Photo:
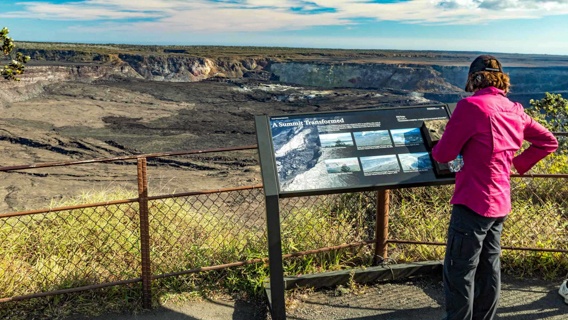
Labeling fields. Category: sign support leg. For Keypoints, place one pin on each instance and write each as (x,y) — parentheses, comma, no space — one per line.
(382,226)
(277,299)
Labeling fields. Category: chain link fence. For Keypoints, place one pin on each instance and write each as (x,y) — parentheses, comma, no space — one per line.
(102,245)
(192,232)
(69,248)
(537,227)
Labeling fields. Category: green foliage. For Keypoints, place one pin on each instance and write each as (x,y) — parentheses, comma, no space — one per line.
(15,67)
(313,229)
(548,224)
(556,163)
(551,111)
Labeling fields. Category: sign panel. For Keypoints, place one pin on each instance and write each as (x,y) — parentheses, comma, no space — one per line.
(353,149)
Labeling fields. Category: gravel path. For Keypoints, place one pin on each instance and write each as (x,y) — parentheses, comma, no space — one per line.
(521,299)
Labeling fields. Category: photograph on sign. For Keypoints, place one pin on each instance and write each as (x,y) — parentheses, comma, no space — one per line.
(372,139)
(374,165)
(336,140)
(363,148)
(407,137)
(415,162)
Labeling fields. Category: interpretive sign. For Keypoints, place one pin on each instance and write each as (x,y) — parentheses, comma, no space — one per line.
(326,152)
(333,152)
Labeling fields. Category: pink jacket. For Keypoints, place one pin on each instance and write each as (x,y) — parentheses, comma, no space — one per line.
(488,129)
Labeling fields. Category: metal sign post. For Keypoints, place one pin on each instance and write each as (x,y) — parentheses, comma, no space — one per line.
(275,291)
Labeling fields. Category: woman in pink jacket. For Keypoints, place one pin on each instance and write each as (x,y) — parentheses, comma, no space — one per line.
(486,129)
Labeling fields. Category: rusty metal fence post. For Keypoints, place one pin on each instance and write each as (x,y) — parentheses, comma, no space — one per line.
(144,233)
(382,226)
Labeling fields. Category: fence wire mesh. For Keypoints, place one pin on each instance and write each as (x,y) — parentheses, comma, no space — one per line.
(87,246)
(68,249)
(192,232)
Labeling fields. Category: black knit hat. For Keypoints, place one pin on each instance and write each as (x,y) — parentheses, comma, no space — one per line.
(485,63)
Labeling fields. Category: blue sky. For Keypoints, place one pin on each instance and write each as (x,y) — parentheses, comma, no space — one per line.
(516,26)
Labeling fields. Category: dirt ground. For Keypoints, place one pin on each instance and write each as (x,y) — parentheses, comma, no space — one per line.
(71,121)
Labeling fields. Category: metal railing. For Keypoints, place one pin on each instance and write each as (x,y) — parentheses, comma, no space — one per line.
(143,239)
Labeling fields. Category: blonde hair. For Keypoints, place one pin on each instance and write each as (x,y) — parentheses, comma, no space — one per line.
(483,79)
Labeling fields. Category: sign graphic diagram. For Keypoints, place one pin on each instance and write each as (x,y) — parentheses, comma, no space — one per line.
(353,149)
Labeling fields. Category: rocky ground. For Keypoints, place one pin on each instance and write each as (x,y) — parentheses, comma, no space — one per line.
(64,121)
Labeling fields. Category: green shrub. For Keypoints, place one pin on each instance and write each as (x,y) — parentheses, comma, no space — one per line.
(550,111)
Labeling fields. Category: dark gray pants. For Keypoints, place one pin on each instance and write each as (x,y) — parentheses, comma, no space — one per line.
(472,269)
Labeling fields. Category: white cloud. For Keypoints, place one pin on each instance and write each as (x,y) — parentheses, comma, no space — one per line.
(265,15)
(233,20)
(537,5)
(81,11)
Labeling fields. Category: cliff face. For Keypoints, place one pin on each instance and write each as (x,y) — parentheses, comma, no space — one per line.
(77,72)
(175,67)
(63,55)
(376,76)
(183,69)
(35,78)
(33,81)
(170,68)
(526,80)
